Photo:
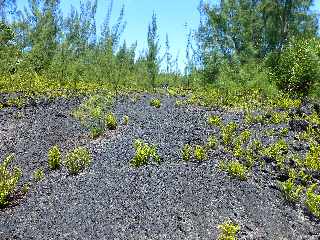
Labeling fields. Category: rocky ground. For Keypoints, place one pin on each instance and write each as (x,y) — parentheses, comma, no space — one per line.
(112,200)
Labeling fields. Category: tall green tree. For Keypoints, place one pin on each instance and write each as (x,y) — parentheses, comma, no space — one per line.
(153,62)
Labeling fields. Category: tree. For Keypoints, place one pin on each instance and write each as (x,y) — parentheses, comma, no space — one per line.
(42,33)
(153,50)
(168,57)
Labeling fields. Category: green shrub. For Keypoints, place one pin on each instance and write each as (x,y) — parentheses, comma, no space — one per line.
(144,153)
(228,132)
(214,121)
(228,230)
(297,68)
(96,132)
(211,142)
(54,158)
(291,191)
(186,152)
(8,180)
(155,103)
(312,158)
(111,121)
(313,200)
(38,175)
(200,153)
(77,160)
(235,169)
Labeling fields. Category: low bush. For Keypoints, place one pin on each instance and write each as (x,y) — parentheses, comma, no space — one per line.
(54,158)
(111,121)
(313,200)
(96,131)
(144,153)
(200,153)
(214,121)
(155,103)
(38,175)
(228,230)
(228,132)
(186,152)
(77,160)
(8,180)
(211,142)
(235,169)
(291,191)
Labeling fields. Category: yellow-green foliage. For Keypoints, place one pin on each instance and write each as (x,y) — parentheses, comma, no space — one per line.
(250,118)
(8,180)
(211,142)
(279,117)
(312,160)
(214,121)
(228,132)
(77,160)
(18,102)
(96,131)
(144,153)
(276,149)
(200,153)
(111,121)
(126,120)
(38,175)
(313,200)
(291,191)
(228,230)
(186,152)
(234,169)
(93,108)
(54,158)
(155,103)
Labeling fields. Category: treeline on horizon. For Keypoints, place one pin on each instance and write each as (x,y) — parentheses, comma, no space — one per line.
(269,46)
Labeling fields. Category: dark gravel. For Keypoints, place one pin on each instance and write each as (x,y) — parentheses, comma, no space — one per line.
(111,200)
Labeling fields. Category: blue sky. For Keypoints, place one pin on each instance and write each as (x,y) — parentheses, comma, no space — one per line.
(172,16)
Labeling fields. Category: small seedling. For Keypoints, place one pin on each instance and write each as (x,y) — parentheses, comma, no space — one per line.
(228,230)
(38,175)
(186,152)
(8,180)
(111,121)
(77,160)
(125,120)
(144,153)
(155,103)
(200,153)
(54,158)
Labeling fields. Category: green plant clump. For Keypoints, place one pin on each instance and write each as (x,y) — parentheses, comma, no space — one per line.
(38,175)
(155,103)
(228,132)
(214,121)
(95,132)
(291,191)
(212,142)
(313,200)
(8,180)
(77,160)
(228,230)
(312,161)
(54,158)
(144,153)
(111,121)
(186,152)
(126,120)
(200,153)
(235,169)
